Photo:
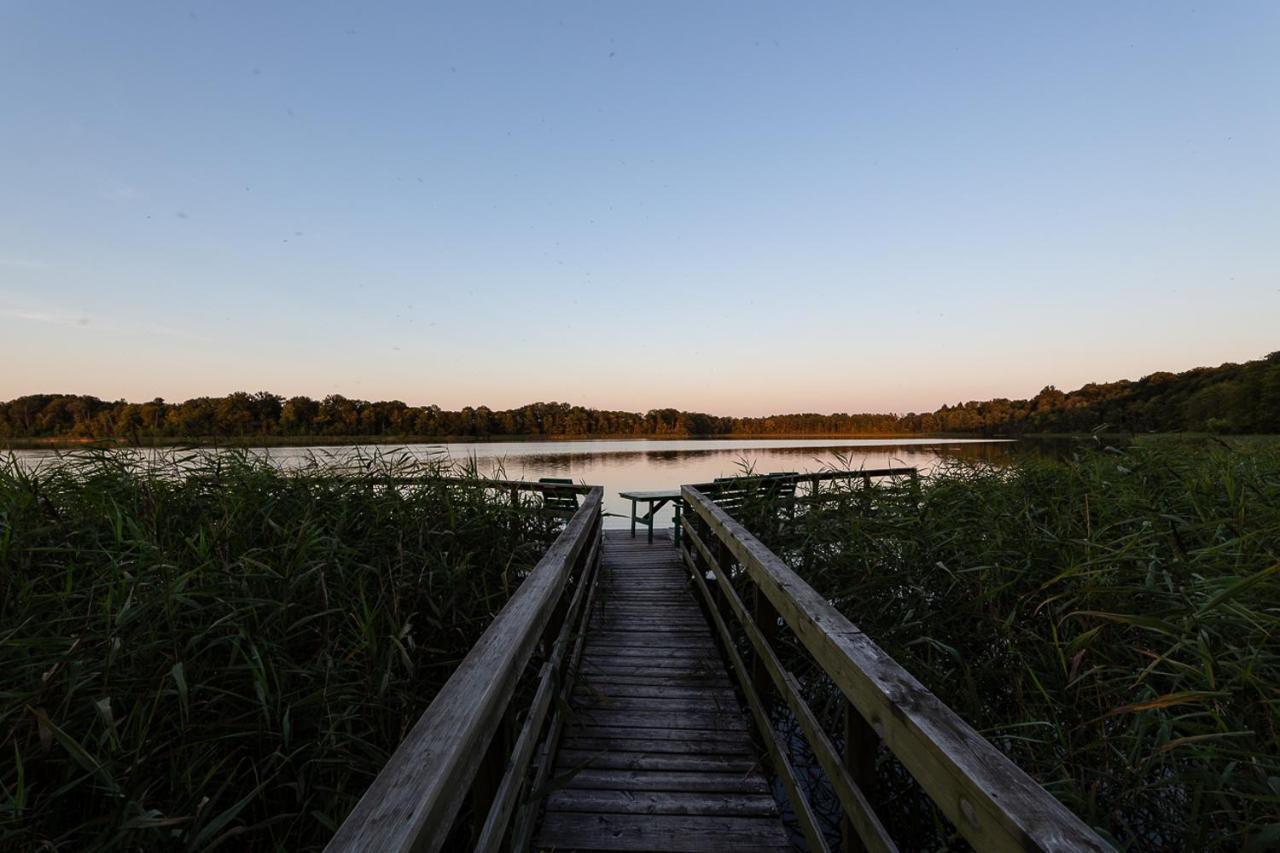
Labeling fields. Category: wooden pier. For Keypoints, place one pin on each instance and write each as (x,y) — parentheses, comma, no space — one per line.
(658,755)
(621,701)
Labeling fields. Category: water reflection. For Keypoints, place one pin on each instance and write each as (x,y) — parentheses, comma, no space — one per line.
(645,465)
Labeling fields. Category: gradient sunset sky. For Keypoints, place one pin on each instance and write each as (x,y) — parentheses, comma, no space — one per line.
(732,207)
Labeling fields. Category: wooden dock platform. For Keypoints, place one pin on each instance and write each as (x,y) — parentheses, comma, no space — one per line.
(657,754)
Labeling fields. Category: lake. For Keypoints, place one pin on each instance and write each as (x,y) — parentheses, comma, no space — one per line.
(635,464)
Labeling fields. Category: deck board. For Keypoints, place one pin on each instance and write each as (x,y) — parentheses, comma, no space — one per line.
(658,753)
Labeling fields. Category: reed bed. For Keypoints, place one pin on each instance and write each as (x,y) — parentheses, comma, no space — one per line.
(1111,622)
(203,652)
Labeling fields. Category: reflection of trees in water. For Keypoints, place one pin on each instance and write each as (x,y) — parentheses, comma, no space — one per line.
(813,458)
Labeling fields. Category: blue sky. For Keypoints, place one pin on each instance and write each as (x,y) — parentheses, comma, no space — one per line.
(733,207)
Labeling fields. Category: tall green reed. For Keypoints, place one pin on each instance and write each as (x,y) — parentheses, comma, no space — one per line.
(1111,622)
(202,651)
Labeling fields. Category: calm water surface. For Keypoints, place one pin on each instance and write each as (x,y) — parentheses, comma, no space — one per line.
(644,464)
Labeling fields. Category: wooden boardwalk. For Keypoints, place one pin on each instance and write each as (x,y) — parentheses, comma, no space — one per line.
(634,737)
(657,754)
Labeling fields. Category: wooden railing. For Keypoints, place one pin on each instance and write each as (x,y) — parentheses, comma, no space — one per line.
(499,485)
(513,488)
(813,478)
(991,802)
(782,488)
(466,748)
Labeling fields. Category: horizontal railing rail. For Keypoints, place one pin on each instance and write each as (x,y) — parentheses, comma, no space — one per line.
(514,488)
(491,483)
(466,744)
(989,799)
(811,477)
(780,496)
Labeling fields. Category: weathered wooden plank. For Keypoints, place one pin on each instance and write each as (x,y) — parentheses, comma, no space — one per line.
(661,609)
(667,780)
(651,639)
(647,596)
(700,744)
(603,665)
(610,671)
(608,759)
(695,834)
(666,614)
(656,690)
(644,653)
(710,680)
(658,649)
(661,719)
(711,739)
(704,656)
(664,584)
(606,658)
(639,639)
(991,801)
(672,611)
(712,684)
(678,634)
(658,618)
(671,616)
(688,650)
(663,802)
(654,704)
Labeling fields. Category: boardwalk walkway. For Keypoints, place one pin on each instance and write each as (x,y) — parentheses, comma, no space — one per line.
(658,754)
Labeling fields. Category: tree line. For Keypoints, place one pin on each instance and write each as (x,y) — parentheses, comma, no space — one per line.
(1230,398)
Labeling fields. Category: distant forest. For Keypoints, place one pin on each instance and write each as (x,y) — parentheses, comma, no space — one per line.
(1232,398)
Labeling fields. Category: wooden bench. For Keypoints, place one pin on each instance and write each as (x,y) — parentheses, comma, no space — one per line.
(563,500)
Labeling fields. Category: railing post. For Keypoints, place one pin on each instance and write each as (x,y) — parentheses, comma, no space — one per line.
(866,494)
(860,746)
(766,619)
(724,559)
(713,585)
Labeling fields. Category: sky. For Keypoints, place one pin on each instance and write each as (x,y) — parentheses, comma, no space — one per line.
(741,208)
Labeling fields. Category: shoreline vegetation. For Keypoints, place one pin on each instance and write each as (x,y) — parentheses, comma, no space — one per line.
(390,442)
(1228,399)
(213,442)
(1109,621)
(201,651)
